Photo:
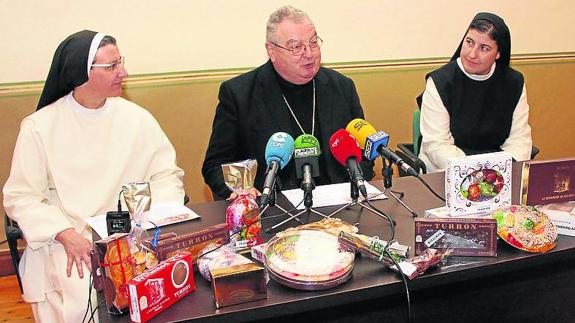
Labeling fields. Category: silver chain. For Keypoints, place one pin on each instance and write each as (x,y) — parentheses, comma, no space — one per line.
(313,112)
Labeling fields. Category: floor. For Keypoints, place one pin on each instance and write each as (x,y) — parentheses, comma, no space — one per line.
(12,307)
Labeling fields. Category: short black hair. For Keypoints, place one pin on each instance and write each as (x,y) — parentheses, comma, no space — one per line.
(486,27)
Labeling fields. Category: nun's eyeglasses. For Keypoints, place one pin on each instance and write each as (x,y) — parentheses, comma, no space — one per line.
(112,67)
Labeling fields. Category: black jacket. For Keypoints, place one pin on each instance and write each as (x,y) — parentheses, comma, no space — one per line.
(251,109)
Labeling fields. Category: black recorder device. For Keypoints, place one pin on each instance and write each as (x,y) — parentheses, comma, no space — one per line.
(118,222)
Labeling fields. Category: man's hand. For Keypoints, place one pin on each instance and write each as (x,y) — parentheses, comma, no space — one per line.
(252,190)
(77,248)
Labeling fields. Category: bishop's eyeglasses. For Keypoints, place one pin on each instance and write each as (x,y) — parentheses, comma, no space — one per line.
(298,48)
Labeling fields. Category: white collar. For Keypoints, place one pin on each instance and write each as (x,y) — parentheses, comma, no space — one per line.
(476,77)
(83,110)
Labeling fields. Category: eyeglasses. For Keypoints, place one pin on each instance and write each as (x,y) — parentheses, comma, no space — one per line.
(297,48)
(112,67)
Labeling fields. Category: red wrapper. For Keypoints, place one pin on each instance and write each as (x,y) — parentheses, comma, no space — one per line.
(413,267)
(158,288)
(243,218)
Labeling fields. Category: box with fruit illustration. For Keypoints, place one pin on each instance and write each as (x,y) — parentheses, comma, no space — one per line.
(478,183)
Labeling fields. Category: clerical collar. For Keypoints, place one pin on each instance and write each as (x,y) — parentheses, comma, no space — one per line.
(291,89)
(288,86)
(476,77)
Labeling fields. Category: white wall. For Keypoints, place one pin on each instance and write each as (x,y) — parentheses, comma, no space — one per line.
(185,35)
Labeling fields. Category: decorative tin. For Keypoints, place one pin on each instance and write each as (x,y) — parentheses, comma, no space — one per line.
(478,183)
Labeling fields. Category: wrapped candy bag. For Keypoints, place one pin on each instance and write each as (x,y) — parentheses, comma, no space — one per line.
(415,266)
(243,214)
(373,247)
(220,258)
(138,198)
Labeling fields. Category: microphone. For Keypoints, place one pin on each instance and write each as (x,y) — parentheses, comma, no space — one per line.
(277,154)
(345,148)
(375,143)
(306,153)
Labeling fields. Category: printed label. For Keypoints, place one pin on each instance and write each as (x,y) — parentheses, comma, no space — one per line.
(433,239)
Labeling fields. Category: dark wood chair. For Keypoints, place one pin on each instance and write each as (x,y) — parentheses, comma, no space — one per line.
(13,234)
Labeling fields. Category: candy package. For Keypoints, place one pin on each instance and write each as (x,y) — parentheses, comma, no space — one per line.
(221,258)
(413,267)
(243,214)
(526,228)
(117,268)
(138,198)
(157,289)
(373,247)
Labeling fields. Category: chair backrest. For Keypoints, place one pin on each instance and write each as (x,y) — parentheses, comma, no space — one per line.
(415,132)
(13,234)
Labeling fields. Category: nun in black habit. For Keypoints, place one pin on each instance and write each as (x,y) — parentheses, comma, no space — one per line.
(476,103)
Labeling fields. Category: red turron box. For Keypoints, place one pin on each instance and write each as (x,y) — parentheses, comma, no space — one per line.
(548,181)
(466,236)
(158,288)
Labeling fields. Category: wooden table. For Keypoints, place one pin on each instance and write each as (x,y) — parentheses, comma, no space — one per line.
(515,286)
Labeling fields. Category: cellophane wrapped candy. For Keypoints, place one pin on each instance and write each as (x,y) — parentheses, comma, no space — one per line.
(243,214)
(221,257)
(243,221)
(138,198)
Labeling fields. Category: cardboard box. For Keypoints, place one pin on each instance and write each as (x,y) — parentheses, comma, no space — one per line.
(238,284)
(259,252)
(478,183)
(158,288)
(466,236)
(445,212)
(97,276)
(117,267)
(193,242)
(546,182)
(562,215)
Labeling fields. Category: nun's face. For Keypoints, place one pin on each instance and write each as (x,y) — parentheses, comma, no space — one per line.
(107,82)
(478,52)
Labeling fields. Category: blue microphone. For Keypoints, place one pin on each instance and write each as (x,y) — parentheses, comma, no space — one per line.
(279,150)
(370,140)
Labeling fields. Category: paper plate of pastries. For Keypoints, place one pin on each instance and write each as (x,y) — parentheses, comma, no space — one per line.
(526,228)
(308,259)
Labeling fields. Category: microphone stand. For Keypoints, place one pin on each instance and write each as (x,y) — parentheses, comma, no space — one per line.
(387,173)
(307,202)
(354,194)
(272,201)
